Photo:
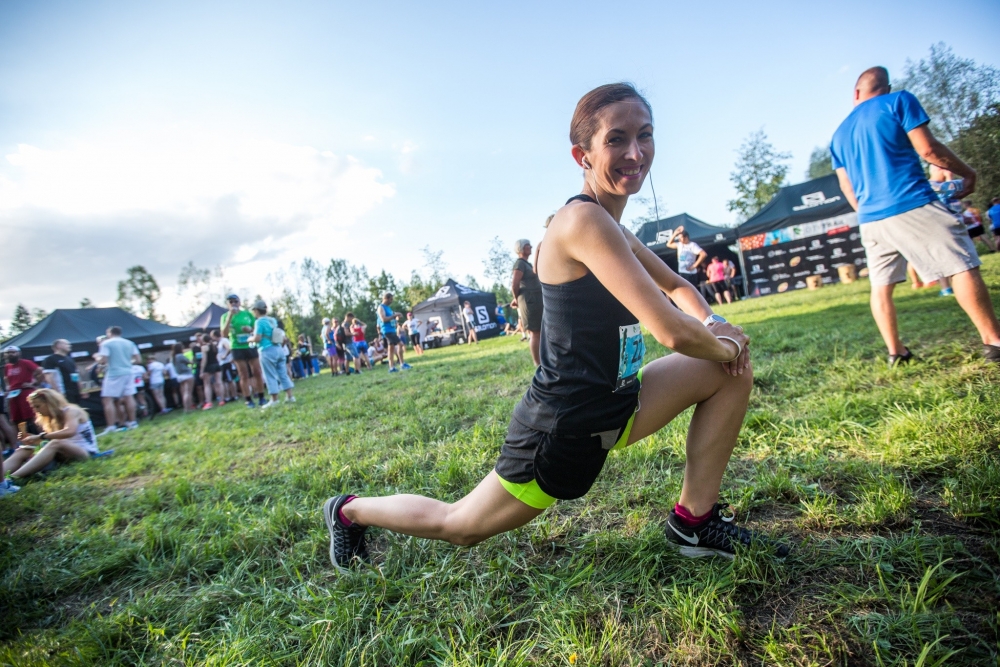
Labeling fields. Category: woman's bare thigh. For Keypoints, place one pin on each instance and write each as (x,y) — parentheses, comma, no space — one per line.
(671,385)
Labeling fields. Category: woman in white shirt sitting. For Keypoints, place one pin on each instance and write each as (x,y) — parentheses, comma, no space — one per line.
(66,426)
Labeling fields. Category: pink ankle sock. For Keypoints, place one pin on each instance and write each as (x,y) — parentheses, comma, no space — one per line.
(347,523)
(688,519)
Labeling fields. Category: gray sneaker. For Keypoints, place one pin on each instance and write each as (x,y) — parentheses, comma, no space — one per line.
(347,543)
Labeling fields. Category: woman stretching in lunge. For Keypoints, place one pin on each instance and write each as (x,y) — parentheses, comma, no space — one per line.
(598,283)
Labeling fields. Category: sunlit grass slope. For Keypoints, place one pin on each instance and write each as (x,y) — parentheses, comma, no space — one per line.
(200,542)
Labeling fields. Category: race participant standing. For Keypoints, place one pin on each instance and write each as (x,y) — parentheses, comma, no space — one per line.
(973,219)
(690,255)
(156,381)
(237,325)
(305,355)
(119,383)
(211,372)
(413,325)
(387,326)
(60,361)
(21,376)
(229,389)
(876,154)
(358,329)
(527,297)
(470,322)
(69,433)
(716,272)
(272,355)
(598,282)
(338,339)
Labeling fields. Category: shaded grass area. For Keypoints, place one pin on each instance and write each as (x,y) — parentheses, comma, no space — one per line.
(201,542)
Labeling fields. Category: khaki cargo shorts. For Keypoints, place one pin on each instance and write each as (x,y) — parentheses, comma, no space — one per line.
(930,238)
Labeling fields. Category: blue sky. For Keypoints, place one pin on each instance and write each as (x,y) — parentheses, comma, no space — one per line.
(250,135)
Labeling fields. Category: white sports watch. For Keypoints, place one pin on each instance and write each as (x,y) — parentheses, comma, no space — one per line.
(714,319)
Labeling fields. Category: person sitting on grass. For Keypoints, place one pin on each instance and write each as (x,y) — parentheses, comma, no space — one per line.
(65,425)
(599,282)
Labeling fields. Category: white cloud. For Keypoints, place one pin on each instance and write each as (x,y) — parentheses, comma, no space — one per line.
(167,195)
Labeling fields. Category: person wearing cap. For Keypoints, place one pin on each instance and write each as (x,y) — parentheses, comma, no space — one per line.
(237,324)
(387,327)
(22,377)
(527,297)
(272,355)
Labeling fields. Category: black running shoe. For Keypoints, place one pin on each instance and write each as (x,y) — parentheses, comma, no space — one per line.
(346,544)
(899,359)
(992,353)
(716,537)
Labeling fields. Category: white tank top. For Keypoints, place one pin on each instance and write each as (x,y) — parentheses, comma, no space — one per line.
(84,437)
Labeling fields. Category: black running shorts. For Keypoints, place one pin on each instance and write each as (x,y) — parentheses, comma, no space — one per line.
(244,353)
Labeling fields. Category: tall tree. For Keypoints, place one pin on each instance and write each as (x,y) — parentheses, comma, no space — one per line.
(139,292)
(953,90)
(86,303)
(979,145)
(435,265)
(820,162)
(21,321)
(38,314)
(654,210)
(758,175)
(499,261)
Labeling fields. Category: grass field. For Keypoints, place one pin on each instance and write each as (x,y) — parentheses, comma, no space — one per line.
(200,542)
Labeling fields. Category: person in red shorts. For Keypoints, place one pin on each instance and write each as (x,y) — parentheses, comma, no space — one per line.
(22,376)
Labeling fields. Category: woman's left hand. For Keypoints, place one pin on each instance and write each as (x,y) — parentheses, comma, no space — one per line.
(740,363)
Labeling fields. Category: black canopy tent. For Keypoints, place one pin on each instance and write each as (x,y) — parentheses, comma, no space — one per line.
(806,229)
(82,326)
(209,319)
(445,309)
(715,241)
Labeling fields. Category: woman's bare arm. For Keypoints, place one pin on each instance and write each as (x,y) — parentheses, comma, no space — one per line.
(591,237)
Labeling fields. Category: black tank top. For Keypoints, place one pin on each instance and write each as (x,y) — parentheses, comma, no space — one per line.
(212,355)
(591,350)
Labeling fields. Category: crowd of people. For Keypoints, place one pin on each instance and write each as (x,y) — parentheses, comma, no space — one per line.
(249,358)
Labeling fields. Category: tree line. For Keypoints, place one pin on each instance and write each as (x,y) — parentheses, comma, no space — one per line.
(302,294)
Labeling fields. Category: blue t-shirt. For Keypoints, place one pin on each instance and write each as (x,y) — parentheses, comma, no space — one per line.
(994,214)
(265,327)
(871,144)
(390,326)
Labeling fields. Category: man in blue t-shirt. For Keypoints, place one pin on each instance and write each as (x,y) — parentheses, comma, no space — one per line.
(876,153)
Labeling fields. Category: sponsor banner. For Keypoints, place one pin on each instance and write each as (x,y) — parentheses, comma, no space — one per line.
(796,232)
(782,267)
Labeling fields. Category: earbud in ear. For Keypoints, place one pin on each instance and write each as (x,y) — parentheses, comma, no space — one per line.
(586,165)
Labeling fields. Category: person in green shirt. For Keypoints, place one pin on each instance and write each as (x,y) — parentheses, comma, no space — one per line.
(237,325)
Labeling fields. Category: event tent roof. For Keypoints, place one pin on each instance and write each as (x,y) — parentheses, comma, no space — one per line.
(82,326)
(447,302)
(655,233)
(209,319)
(818,199)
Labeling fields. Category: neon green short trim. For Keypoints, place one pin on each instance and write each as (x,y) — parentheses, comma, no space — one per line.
(623,438)
(528,493)
(532,495)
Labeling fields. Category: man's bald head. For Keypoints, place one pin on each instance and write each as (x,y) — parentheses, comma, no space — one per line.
(873,82)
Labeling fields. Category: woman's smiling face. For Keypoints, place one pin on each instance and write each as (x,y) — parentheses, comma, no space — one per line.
(621,151)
